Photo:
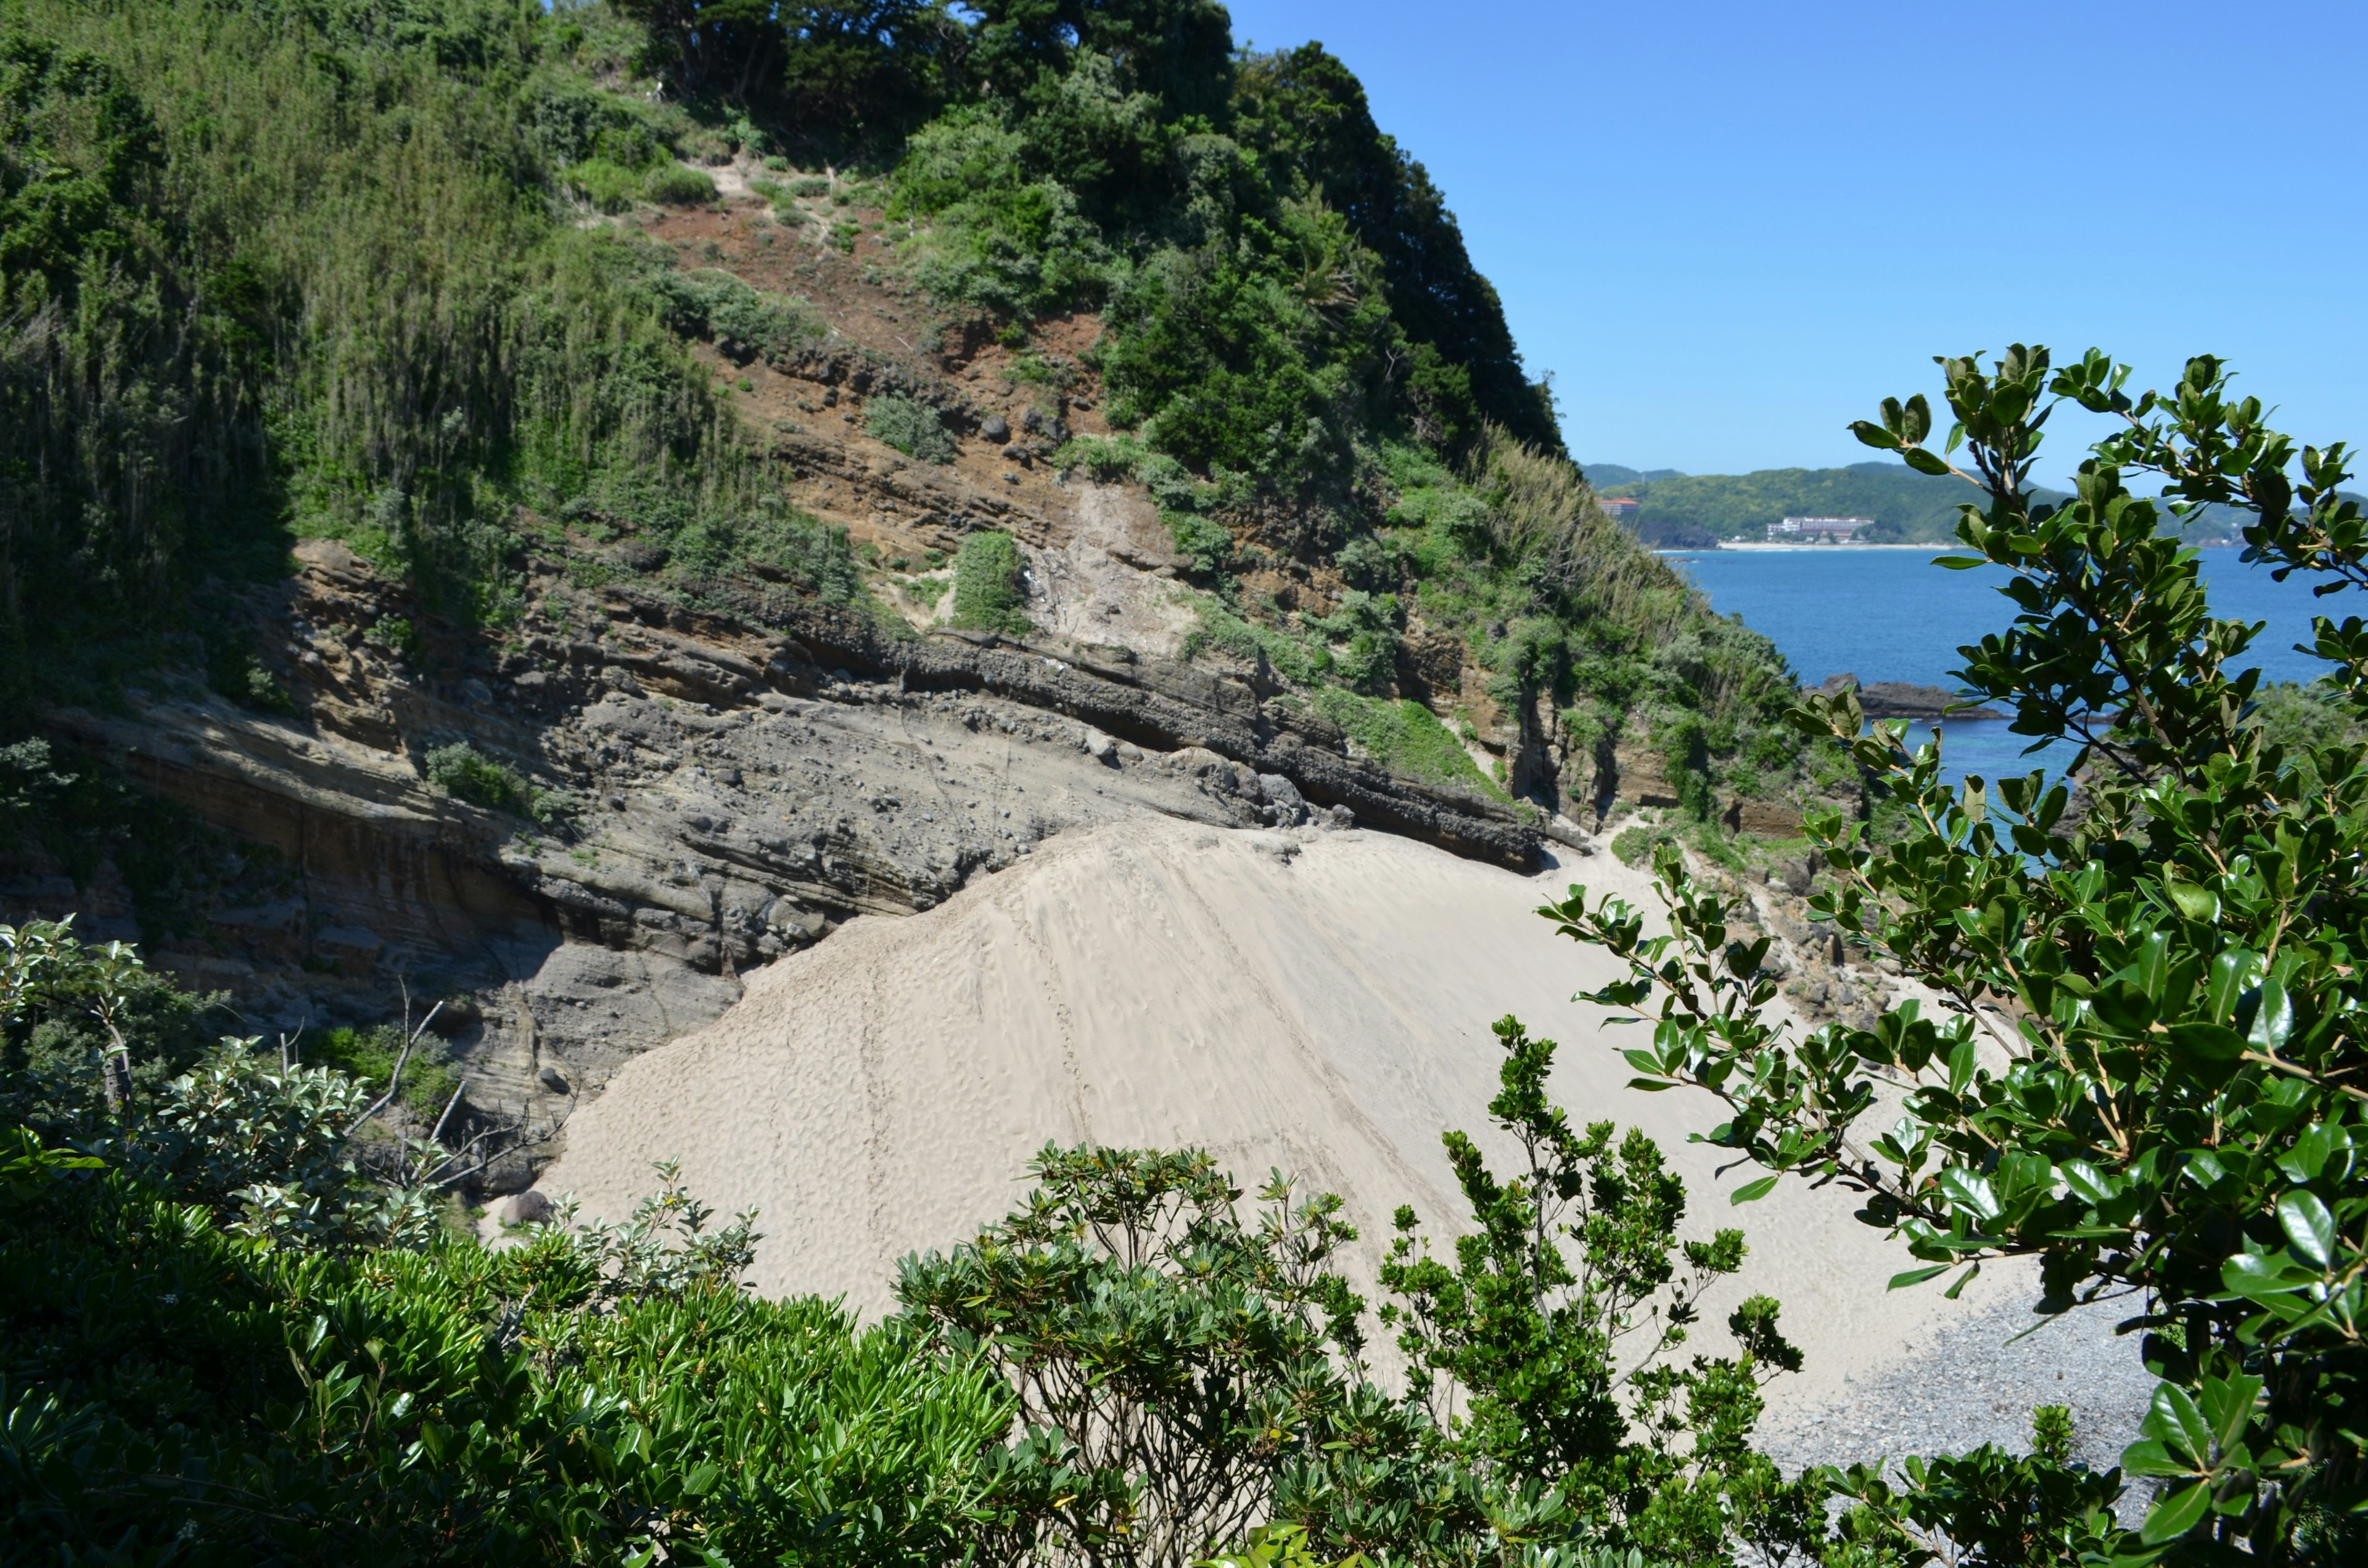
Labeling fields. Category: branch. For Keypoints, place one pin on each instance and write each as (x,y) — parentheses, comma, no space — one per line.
(394,1079)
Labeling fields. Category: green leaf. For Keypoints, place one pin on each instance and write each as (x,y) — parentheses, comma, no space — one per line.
(2273,1021)
(2086,1181)
(2147,1457)
(2123,1007)
(2172,1416)
(1873,435)
(1971,1192)
(2255,1278)
(2195,903)
(2176,1514)
(1751,1191)
(2308,1225)
(1918,1276)
(2209,1050)
(2231,969)
(1923,462)
(1919,420)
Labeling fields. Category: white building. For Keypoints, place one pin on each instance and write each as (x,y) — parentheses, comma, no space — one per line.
(1818,530)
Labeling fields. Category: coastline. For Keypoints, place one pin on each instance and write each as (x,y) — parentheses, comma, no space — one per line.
(1774,547)
(1739,546)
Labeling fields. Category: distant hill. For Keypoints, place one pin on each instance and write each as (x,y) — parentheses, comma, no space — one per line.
(1680,511)
(1694,509)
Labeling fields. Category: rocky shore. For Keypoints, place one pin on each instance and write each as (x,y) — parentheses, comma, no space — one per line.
(1902,700)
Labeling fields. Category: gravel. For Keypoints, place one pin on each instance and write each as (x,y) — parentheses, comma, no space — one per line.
(1971,1380)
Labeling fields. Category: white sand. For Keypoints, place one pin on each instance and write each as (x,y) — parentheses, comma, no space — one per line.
(1318,1002)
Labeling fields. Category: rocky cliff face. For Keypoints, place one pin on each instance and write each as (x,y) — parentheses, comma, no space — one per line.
(692,778)
(703,794)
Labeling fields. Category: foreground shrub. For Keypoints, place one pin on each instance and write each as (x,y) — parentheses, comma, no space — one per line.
(2146,1067)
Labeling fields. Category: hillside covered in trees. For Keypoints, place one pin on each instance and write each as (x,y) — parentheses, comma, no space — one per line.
(1695,510)
(374,273)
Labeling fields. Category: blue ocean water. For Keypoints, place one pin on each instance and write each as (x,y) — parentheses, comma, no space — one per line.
(1892,615)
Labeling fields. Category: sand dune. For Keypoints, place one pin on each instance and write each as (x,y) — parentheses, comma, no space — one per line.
(1316,1002)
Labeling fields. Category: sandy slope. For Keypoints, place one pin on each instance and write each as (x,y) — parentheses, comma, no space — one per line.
(1320,1002)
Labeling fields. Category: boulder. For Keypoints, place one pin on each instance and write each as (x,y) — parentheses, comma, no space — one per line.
(995,427)
(1290,805)
(1901,699)
(528,1208)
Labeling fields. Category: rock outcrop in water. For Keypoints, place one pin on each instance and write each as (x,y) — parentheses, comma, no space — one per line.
(1902,700)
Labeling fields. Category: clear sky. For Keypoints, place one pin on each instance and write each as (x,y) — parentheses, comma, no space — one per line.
(1730,229)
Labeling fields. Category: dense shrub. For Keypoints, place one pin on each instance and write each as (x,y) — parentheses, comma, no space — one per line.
(912,428)
(988,594)
(1406,737)
(678,185)
(745,323)
(327,292)
(606,185)
(461,772)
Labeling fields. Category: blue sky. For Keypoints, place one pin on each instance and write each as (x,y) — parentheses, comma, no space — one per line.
(1728,230)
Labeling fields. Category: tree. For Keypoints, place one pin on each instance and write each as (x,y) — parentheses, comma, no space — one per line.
(2147,1070)
(731,47)
(1534,1343)
(1173,1366)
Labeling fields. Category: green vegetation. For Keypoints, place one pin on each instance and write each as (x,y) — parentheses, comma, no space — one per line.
(369,1056)
(280,270)
(1691,510)
(1679,510)
(2173,1115)
(1562,608)
(241,1331)
(1634,844)
(1406,737)
(745,323)
(987,592)
(914,428)
(461,773)
(677,184)
(285,270)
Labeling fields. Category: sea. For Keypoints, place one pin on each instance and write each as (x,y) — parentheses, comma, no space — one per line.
(1891,614)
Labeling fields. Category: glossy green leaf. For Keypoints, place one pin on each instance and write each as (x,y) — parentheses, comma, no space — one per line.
(1971,1192)
(2086,1181)
(2204,1045)
(2232,973)
(2148,1457)
(2273,1021)
(2195,903)
(2308,1226)
(1752,1192)
(2172,1415)
(2176,1515)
